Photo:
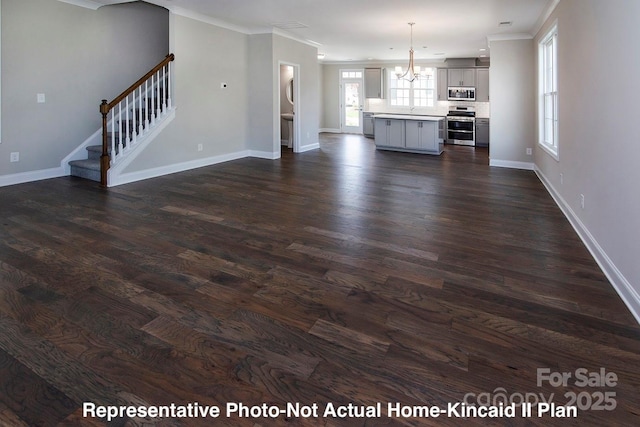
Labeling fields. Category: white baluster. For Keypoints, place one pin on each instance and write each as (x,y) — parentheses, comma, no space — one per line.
(113,136)
(164,90)
(147,106)
(120,130)
(134,118)
(127,140)
(153,101)
(158,95)
(140,118)
(169,84)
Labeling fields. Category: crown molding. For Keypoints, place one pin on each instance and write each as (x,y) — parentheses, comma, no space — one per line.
(290,36)
(543,18)
(206,19)
(507,37)
(88,4)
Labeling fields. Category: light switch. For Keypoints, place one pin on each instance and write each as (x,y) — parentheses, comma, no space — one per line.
(41,98)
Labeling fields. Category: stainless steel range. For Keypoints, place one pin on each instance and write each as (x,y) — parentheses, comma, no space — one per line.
(461,129)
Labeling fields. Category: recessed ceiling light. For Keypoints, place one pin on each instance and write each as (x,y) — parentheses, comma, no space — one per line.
(321,56)
(483,49)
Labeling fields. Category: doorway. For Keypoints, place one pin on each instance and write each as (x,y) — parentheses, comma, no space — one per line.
(288,113)
(351,101)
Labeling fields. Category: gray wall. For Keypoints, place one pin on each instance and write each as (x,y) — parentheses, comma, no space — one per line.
(262,109)
(598,79)
(512,94)
(206,56)
(76,57)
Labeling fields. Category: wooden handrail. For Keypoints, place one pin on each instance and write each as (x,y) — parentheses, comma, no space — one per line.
(142,79)
(106,106)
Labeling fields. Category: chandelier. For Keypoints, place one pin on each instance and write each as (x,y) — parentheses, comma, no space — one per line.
(413,72)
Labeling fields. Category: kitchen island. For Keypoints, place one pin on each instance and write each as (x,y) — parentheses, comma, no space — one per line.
(409,133)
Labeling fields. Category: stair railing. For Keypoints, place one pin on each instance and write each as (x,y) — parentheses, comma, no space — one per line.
(133,113)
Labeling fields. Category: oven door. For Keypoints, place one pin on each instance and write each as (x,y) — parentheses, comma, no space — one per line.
(461,131)
(459,124)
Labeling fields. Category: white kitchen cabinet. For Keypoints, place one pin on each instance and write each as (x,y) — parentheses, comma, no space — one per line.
(462,77)
(389,133)
(421,135)
(443,91)
(373,83)
(482,87)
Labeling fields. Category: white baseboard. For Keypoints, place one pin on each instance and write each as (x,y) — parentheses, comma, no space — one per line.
(309,147)
(126,178)
(330,130)
(622,286)
(23,177)
(511,164)
(263,154)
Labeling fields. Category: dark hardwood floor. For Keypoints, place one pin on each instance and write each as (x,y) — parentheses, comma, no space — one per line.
(341,275)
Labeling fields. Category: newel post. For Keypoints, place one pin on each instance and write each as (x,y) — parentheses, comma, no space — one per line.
(104,158)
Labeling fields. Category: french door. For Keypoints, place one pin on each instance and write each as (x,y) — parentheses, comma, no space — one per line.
(351,101)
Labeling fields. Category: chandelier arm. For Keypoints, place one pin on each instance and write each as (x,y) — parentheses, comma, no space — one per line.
(410,74)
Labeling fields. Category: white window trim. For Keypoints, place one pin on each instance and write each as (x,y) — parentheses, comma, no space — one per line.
(391,72)
(553,151)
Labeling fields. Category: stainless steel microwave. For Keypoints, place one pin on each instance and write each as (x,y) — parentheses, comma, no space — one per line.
(462,94)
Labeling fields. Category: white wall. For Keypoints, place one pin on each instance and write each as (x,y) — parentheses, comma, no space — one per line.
(512,94)
(599,148)
(76,57)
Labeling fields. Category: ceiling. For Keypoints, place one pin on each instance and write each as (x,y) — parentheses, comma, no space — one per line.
(376,30)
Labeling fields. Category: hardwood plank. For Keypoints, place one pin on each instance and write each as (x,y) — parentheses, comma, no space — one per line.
(323,276)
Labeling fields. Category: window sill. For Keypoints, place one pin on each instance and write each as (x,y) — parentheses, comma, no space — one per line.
(549,151)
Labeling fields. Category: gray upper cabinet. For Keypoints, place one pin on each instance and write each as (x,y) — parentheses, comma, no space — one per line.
(482,86)
(443,93)
(373,83)
(462,77)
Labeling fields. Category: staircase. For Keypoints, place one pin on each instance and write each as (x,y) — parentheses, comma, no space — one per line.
(127,124)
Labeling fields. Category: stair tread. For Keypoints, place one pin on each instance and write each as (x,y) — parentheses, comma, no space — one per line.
(86,164)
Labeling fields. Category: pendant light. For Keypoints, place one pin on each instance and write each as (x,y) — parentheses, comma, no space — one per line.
(413,72)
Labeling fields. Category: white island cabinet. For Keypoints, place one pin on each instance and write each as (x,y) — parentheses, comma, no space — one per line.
(410,133)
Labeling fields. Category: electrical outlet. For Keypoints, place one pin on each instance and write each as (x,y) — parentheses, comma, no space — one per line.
(40,98)
(15,157)
(529,151)
(561,178)
(582,201)
(200,147)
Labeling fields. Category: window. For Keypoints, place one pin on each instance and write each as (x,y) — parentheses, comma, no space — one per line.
(419,93)
(548,88)
(351,74)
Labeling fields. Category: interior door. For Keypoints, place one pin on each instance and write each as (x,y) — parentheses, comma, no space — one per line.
(352,101)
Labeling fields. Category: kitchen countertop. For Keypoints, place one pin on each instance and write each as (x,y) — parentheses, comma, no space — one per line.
(408,117)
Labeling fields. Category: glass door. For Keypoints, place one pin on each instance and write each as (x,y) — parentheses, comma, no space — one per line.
(352,101)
